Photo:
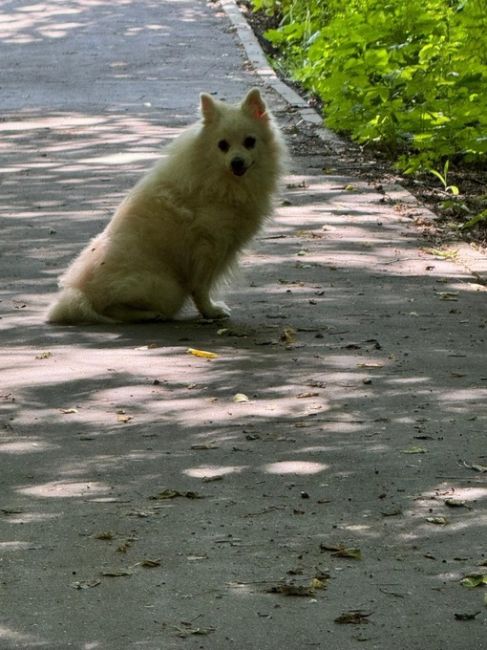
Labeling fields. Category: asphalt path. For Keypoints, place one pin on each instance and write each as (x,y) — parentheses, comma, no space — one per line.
(320,482)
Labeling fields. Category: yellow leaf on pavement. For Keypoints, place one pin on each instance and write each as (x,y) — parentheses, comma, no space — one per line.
(204,354)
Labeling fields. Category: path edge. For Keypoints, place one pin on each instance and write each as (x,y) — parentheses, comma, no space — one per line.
(471,259)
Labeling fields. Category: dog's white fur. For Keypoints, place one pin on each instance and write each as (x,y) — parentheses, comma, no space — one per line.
(182,226)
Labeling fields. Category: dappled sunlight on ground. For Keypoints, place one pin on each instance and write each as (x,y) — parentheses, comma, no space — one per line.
(298,467)
(22,517)
(14,546)
(30,446)
(212,471)
(65,489)
(9,634)
(343,409)
(35,22)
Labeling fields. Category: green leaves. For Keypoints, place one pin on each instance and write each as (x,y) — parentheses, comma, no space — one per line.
(453,189)
(410,77)
(474,580)
(482,216)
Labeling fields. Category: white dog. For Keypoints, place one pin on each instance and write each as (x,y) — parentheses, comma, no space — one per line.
(181,227)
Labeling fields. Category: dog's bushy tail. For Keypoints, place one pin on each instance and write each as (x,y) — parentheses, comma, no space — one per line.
(72,307)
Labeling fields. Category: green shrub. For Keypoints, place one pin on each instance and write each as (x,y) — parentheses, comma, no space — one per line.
(410,77)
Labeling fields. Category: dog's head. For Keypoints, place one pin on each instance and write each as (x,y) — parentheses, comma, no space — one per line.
(236,137)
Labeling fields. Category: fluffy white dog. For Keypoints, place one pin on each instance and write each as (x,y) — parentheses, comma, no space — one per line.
(182,226)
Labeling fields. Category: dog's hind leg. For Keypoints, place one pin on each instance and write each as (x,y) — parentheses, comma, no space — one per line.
(72,307)
(129,314)
(145,297)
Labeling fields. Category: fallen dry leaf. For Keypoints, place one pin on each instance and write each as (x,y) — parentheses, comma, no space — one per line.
(233,332)
(189,630)
(414,450)
(353,617)
(448,295)
(316,383)
(338,550)
(104,536)
(150,564)
(44,355)
(288,336)
(439,521)
(124,547)
(204,354)
(116,573)
(85,584)
(456,503)
(442,254)
(290,589)
(142,514)
(318,583)
(475,466)
(466,617)
(172,494)
(240,397)
(370,365)
(353,553)
(393,512)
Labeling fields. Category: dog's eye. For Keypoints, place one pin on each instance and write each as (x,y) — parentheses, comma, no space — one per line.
(249,142)
(223,146)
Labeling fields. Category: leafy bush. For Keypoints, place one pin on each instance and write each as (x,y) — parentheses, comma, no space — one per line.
(410,77)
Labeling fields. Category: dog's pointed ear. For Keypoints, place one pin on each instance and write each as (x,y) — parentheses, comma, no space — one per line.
(208,107)
(255,106)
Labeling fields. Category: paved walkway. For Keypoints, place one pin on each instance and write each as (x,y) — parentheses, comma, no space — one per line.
(143,505)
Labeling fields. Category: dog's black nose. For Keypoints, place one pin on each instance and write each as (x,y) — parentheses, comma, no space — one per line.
(238,166)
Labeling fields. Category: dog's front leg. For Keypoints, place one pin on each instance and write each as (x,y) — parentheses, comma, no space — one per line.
(207,267)
(207,307)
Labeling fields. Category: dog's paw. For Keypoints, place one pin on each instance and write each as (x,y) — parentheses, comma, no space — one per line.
(217,310)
